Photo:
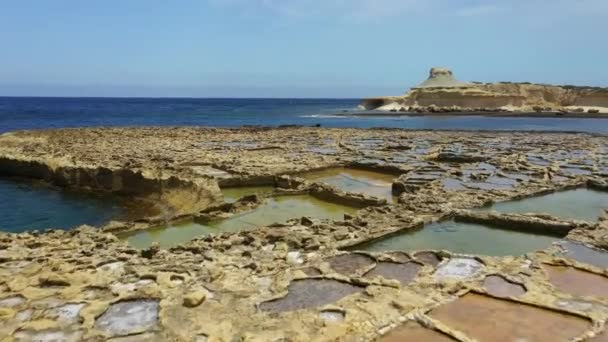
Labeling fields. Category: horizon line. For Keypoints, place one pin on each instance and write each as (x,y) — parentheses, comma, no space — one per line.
(180,97)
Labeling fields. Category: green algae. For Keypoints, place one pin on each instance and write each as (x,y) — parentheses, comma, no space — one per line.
(274,210)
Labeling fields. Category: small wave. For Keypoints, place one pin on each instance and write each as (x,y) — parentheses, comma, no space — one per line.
(322,116)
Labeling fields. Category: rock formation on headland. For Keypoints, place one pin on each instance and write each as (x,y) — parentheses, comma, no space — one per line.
(442,92)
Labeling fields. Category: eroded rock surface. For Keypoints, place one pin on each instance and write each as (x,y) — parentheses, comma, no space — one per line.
(302,280)
(129,317)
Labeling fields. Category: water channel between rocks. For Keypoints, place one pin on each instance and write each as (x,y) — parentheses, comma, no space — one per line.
(274,210)
(357,181)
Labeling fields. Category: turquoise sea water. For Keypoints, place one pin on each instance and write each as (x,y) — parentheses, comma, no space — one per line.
(25,206)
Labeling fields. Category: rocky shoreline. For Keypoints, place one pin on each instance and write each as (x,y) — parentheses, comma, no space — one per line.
(442,93)
(306,279)
(413,112)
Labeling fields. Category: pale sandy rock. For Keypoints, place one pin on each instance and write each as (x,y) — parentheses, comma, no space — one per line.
(195,298)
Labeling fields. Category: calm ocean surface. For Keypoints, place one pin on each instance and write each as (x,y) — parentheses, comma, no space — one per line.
(18,113)
(24,206)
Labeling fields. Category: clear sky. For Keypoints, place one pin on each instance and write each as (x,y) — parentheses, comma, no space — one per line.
(293,48)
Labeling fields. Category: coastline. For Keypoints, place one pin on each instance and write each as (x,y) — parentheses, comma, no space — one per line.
(381,113)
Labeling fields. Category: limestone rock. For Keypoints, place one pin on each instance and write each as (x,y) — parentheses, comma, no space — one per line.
(443,93)
(195,298)
(441,77)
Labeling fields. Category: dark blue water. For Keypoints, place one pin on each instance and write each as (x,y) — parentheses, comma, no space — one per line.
(33,113)
(25,206)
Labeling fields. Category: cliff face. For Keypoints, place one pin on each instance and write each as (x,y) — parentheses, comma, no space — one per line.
(441,90)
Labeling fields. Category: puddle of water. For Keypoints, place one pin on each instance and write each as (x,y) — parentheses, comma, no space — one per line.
(274,210)
(518,176)
(487,319)
(577,282)
(579,204)
(414,332)
(574,170)
(453,184)
(489,186)
(538,161)
(310,293)
(584,254)
(29,206)
(466,238)
(233,194)
(358,181)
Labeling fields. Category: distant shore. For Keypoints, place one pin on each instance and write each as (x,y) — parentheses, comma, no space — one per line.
(486,114)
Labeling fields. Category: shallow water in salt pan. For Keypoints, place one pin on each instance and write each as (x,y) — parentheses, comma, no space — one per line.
(465,238)
(488,319)
(578,204)
(357,181)
(274,210)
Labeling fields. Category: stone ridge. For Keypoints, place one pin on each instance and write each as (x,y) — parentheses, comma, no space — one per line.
(85,284)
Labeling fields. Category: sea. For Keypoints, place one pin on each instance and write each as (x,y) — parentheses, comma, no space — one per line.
(21,113)
(25,206)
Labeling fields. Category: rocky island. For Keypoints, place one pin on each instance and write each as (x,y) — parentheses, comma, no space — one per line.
(433,236)
(443,93)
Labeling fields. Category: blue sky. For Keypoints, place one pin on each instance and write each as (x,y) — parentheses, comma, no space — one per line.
(293,48)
